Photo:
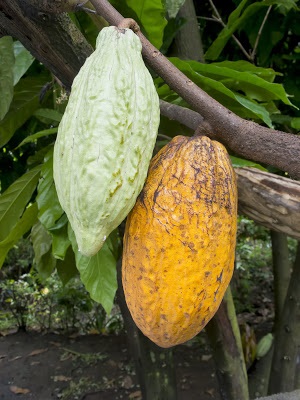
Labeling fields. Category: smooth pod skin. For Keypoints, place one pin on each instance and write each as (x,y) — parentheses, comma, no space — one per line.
(106,138)
(179,241)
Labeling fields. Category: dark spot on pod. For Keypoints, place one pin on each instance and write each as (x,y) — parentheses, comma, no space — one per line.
(219,278)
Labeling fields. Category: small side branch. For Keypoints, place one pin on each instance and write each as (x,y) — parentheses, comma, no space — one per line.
(219,19)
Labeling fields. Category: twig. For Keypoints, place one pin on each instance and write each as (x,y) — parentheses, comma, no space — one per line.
(214,19)
(253,52)
(218,18)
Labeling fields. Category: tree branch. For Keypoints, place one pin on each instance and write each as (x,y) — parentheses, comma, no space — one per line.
(246,138)
(270,200)
(253,52)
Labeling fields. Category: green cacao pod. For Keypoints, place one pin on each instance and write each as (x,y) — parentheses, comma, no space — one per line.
(106,138)
(179,242)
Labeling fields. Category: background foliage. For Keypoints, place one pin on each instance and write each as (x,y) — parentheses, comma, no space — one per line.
(261,84)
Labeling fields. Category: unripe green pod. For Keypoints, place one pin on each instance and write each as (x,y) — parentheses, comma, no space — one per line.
(106,138)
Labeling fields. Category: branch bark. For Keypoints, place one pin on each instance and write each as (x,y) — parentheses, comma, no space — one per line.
(270,200)
(246,138)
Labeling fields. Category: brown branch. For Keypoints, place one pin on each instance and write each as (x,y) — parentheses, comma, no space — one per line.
(246,138)
(270,200)
(185,116)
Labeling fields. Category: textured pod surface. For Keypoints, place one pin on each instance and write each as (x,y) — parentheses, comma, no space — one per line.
(106,138)
(179,242)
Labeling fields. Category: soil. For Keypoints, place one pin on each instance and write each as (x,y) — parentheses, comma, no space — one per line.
(92,367)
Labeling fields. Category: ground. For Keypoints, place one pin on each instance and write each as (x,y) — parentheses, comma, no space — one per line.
(92,367)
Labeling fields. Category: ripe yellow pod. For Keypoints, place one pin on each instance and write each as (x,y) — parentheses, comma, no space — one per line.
(179,242)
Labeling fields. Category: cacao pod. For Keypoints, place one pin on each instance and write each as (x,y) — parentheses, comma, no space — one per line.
(179,241)
(106,138)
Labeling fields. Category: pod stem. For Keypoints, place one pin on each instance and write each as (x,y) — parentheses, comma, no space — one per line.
(129,23)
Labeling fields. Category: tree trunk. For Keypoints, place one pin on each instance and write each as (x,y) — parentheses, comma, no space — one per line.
(224,336)
(285,371)
(188,39)
(154,365)
(259,379)
(47,37)
(281,271)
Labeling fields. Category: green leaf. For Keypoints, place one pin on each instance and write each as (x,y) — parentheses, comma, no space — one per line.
(295,123)
(248,82)
(264,345)
(259,111)
(286,5)
(49,206)
(240,162)
(48,114)
(66,268)
(173,6)
(6,74)
(236,20)
(268,74)
(151,15)
(21,227)
(245,108)
(23,60)
(60,238)
(25,102)
(15,198)
(98,273)
(43,258)
(38,135)
(237,12)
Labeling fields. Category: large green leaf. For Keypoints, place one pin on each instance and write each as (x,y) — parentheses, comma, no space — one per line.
(240,105)
(236,20)
(23,60)
(6,74)
(49,207)
(23,225)
(268,74)
(98,273)
(253,86)
(151,15)
(43,258)
(15,198)
(25,102)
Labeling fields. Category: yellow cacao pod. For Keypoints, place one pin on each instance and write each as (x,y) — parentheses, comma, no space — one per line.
(179,241)
(106,138)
